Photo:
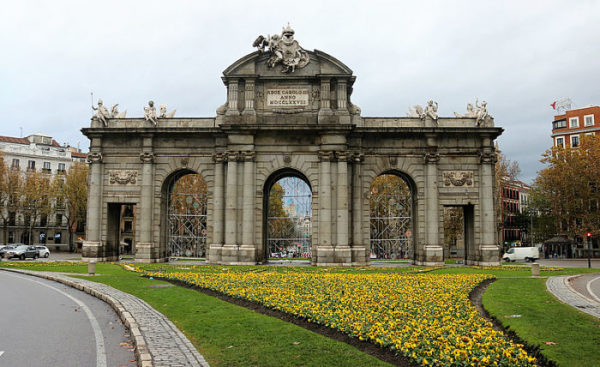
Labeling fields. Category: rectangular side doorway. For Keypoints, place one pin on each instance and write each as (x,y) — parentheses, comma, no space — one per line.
(120,225)
(458,232)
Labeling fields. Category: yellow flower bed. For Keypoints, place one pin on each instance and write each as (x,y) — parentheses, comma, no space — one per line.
(425,317)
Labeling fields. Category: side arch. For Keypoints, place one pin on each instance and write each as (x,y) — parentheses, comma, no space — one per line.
(392,215)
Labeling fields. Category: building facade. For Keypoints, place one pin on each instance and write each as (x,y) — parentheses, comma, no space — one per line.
(42,153)
(568,128)
(514,201)
(291,117)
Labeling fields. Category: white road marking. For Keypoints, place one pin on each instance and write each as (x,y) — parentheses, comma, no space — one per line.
(589,288)
(100,351)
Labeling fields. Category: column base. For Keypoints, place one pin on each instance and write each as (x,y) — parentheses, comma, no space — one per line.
(360,256)
(433,255)
(238,255)
(147,252)
(488,255)
(214,253)
(333,256)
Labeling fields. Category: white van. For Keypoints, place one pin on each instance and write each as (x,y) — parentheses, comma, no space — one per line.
(521,253)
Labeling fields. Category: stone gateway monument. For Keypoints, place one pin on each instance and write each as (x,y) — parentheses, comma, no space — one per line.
(290,168)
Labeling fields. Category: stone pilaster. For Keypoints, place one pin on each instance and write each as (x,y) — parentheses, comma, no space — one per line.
(249,98)
(92,247)
(342,96)
(342,252)
(229,253)
(232,98)
(488,248)
(214,254)
(325,108)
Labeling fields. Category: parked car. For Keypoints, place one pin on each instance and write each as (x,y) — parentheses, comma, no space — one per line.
(22,252)
(5,249)
(521,253)
(43,251)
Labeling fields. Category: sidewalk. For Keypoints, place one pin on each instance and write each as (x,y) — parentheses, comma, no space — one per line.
(158,342)
(559,286)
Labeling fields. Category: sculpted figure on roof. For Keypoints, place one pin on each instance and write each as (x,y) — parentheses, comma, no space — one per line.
(284,50)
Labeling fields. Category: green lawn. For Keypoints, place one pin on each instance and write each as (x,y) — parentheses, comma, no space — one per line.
(544,319)
(229,335)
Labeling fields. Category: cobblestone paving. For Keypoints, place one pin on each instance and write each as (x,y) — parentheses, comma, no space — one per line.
(560,288)
(158,342)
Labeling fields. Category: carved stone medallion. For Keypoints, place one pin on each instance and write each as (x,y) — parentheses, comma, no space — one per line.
(458,178)
(122,177)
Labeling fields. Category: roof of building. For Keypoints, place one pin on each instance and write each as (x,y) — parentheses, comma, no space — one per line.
(11,139)
(78,154)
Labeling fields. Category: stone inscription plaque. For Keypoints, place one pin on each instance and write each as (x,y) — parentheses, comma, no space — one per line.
(287,98)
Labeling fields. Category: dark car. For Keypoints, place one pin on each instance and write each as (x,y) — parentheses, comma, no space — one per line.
(22,252)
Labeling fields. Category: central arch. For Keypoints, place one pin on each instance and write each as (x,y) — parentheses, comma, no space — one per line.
(392,224)
(287,218)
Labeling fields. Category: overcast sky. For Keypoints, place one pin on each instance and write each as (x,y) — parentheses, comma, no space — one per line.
(519,56)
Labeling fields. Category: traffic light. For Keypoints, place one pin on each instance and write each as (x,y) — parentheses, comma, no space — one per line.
(589,235)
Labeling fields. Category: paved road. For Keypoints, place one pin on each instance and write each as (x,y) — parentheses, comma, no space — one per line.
(44,323)
(588,285)
(570,263)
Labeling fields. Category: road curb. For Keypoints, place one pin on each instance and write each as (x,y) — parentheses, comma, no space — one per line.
(560,288)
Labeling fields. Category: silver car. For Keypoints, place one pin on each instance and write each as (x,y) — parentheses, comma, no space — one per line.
(43,251)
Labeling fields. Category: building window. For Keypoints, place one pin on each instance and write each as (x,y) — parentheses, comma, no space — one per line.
(59,219)
(15,163)
(11,237)
(128,226)
(57,237)
(560,142)
(46,168)
(31,165)
(574,141)
(574,122)
(43,221)
(61,168)
(588,120)
(43,237)
(12,219)
(559,124)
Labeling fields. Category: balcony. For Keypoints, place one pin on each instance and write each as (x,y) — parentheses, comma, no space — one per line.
(46,171)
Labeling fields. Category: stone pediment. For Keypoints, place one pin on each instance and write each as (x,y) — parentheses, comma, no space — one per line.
(255,64)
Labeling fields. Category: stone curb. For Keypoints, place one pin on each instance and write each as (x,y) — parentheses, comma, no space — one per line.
(142,353)
(561,289)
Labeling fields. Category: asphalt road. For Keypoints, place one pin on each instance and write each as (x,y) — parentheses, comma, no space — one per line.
(588,285)
(44,323)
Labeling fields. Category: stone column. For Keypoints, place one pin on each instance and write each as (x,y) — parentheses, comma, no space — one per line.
(218,200)
(433,252)
(488,249)
(359,248)
(92,246)
(232,98)
(325,248)
(343,254)
(145,249)
(231,199)
(248,250)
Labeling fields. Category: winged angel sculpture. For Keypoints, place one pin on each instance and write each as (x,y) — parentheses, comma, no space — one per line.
(284,50)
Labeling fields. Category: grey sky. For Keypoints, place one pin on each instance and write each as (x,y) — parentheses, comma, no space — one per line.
(519,56)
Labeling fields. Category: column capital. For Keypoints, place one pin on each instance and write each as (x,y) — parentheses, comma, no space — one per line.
(94,157)
(232,156)
(488,157)
(219,157)
(357,157)
(432,157)
(325,156)
(248,156)
(342,155)
(147,157)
